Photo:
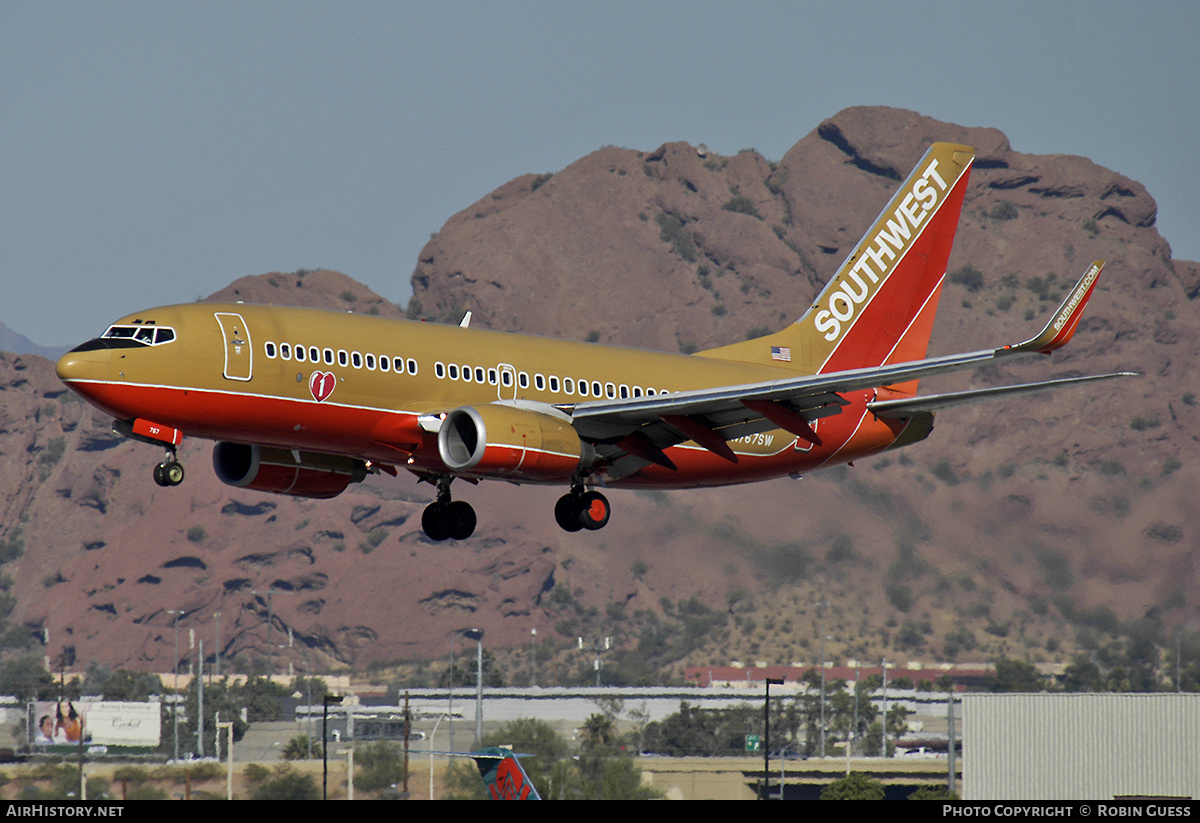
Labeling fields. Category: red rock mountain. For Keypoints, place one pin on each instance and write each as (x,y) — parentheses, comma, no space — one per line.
(1029,528)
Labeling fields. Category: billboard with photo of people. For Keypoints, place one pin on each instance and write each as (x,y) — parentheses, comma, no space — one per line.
(61,725)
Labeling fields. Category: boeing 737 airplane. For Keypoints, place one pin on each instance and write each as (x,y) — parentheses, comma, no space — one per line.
(305,402)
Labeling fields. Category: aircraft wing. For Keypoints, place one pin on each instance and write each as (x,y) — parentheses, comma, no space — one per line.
(643,427)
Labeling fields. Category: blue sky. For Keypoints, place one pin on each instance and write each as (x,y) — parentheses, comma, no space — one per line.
(151,153)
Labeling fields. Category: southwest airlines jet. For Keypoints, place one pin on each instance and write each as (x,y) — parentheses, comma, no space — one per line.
(305,402)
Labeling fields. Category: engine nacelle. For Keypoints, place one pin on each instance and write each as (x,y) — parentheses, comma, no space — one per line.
(505,441)
(300,474)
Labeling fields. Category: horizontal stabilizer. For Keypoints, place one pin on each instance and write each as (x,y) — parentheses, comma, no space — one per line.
(897,409)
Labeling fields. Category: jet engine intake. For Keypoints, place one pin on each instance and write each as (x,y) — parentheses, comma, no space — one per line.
(499,440)
(299,474)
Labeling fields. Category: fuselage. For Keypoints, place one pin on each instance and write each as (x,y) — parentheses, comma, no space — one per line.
(373,388)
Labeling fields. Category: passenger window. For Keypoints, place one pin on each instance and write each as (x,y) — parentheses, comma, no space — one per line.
(610,390)
(453,371)
(506,378)
(270,347)
(412,366)
(385,364)
(314,355)
(539,382)
(553,384)
(439,370)
(343,358)
(523,380)
(466,372)
(371,362)
(491,377)
(596,390)
(398,365)
(300,354)
(624,391)
(285,351)
(583,388)
(479,374)
(329,357)
(356,359)
(637,391)
(568,385)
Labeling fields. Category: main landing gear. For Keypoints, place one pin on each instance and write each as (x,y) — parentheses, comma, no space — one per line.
(170,471)
(578,509)
(448,519)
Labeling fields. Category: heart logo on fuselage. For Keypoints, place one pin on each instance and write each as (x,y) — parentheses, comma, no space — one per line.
(321,384)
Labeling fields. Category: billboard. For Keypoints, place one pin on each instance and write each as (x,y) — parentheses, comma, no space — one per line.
(61,725)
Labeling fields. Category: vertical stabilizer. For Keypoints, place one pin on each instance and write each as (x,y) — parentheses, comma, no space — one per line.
(503,775)
(879,307)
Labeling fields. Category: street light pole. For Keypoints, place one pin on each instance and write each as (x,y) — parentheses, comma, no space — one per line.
(450,706)
(200,699)
(175,671)
(217,663)
(883,740)
(533,649)
(326,701)
(766,793)
(601,648)
(477,636)
(821,610)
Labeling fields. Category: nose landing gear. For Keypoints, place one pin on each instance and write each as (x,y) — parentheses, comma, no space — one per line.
(170,471)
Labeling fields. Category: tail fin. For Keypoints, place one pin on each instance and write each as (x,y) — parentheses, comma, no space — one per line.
(503,775)
(879,307)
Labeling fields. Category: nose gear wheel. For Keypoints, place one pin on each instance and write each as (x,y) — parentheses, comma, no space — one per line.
(170,471)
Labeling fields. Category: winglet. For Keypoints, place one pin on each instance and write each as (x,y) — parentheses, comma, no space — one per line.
(1062,325)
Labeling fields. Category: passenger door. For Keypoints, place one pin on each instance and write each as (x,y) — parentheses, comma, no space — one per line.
(239,355)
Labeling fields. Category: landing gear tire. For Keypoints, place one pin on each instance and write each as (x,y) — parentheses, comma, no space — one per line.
(460,519)
(433,522)
(594,511)
(566,513)
(577,511)
(168,473)
(449,520)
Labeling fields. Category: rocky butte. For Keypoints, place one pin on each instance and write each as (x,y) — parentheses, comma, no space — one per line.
(1032,528)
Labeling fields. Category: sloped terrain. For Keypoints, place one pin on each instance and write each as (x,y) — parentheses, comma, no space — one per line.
(1029,528)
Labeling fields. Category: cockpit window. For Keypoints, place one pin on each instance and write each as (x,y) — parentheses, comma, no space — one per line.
(147,335)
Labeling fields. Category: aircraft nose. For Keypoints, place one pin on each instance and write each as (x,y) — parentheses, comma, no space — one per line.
(82,364)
